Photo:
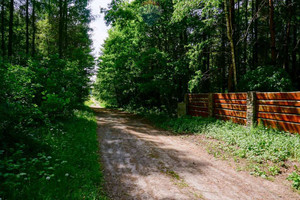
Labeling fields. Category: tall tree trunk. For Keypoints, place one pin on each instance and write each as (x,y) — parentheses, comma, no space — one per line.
(33,28)
(294,55)
(287,37)
(60,28)
(207,49)
(255,47)
(272,31)
(66,24)
(10,31)
(236,37)
(229,23)
(3,28)
(222,59)
(208,69)
(27,27)
(245,40)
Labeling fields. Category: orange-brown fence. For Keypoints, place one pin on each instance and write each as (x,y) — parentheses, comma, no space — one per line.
(276,109)
(230,107)
(279,110)
(198,105)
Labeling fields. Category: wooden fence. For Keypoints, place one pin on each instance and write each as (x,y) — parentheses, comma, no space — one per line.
(274,109)
(231,107)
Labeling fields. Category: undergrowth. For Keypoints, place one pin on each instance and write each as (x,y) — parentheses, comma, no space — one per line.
(259,144)
(55,162)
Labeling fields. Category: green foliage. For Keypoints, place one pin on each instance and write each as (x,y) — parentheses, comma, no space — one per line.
(62,165)
(150,13)
(274,170)
(258,144)
(40,91)
(44,78)
(136,69)
(295,177)
(258,172)
(266,78)
(195,82)
(158,50)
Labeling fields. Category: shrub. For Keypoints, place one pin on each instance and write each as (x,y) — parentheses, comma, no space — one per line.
(266,78)
(295,177)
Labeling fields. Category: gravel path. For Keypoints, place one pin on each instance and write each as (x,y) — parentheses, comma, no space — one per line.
(143,162)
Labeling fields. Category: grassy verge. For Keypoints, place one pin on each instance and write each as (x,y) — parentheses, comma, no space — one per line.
(93,102)
(266,152)
(57,162)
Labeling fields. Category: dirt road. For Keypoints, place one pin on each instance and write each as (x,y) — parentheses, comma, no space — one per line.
(143,162)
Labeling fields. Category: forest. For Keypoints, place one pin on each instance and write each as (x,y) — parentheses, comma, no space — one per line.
(155,53)
(45,60)
(45,64)
(158,50)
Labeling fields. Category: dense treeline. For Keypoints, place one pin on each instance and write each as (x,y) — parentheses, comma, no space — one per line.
(45,60)
(45,64)
(158,50)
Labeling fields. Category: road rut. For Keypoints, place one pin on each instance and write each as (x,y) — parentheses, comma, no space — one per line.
(143,162)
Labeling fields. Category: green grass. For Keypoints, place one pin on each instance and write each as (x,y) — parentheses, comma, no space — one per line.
(259,143)
(265,150)
(89,102)
(93,102)
(65,166)
(295,178)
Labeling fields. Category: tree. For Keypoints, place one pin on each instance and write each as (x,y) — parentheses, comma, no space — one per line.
(3,28)
(272,31)
(158,50)
(230,34)
(11,23)
(27,26)
(33,28)
(61,28)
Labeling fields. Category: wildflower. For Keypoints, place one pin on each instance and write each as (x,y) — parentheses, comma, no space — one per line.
(48,178)
(67,174)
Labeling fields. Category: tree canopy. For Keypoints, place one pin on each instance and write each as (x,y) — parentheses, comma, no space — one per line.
(158,50)
(45,62)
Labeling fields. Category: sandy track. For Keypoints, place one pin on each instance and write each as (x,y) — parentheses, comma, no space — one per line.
(143,162)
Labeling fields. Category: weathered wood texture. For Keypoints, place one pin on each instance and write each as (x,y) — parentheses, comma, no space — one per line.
(231,106)
(197,105)
(273,109)
(279,110)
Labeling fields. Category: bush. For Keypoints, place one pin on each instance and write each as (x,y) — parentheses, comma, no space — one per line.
(266,79)
(295,177)
(62,164)
(35,97)
(40,91)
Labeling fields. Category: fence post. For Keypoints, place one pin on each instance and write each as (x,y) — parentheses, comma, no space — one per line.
(210,104)
(186,101)
(251,108)
(182,107)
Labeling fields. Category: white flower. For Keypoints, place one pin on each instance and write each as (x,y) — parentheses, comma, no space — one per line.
(66,174)
(48,178)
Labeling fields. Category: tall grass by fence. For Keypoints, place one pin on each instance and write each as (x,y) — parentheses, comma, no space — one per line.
(274,109)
